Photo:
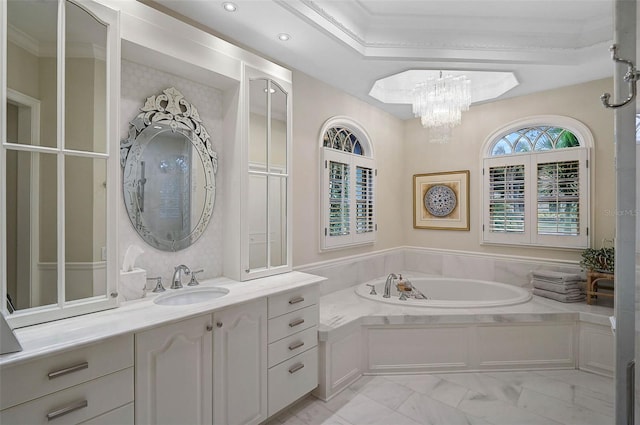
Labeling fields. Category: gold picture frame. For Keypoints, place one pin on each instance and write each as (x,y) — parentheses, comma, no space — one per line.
(441,200)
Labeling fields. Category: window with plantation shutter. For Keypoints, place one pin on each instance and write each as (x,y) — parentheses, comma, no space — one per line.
(536,187)
(348,186)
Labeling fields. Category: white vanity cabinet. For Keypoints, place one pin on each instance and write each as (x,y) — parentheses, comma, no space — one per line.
(240,364)
(92,384)
(173,379)
(293,346)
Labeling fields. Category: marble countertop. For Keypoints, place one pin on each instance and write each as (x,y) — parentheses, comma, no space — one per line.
(134,316)
(344,309)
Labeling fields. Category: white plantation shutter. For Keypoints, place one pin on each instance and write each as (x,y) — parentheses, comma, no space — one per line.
(559,198)
(506,199)
(506,192)
(537,199)
(339,199)
(364,200)
(562,193)
(348,186)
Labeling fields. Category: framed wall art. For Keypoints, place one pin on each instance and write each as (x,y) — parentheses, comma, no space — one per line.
(441,200)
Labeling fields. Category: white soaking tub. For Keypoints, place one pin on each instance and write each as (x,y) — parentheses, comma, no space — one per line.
(446,292)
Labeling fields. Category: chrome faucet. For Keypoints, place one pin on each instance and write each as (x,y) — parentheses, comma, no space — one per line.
(176,281)
(387,285)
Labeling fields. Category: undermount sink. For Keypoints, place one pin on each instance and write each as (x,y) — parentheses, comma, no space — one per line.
(191,296)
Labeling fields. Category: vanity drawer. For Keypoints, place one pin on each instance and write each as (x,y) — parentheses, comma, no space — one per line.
(290,346)
(292,300)
(27,381)
(292,379)
(120,416)
(290,323)
(75,404)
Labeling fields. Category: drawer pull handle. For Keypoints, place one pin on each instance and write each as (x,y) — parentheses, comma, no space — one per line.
(296,323)
(296,300)
(67,409)
(296,368)
(61,372)
(296,345)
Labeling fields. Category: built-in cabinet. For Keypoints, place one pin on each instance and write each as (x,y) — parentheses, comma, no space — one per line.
(174,373)
(240,364)
(93,384)
(293,341)
(237,366)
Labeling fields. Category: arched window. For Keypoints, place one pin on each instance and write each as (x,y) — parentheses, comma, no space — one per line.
(536,183)
(348,184)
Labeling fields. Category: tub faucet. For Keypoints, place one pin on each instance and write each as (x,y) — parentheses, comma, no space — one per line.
(387,285)
(176,281)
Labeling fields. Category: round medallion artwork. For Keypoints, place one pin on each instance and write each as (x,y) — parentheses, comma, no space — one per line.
(440,200)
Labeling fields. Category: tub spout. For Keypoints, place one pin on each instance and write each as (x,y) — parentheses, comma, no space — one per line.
(387,285)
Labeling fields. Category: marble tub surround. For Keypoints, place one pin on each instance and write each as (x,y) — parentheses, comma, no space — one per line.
(513,270)
(133,316)
(363,336)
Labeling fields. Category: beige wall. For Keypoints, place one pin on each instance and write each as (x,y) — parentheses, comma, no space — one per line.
(463,153)
(402,150)
(313,103)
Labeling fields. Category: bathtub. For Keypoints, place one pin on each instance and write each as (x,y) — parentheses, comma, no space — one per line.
(450,293)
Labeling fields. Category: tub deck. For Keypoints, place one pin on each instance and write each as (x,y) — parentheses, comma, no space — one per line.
(360,336)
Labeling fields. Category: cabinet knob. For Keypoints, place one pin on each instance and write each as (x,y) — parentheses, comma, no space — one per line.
(219,324)
(209,328)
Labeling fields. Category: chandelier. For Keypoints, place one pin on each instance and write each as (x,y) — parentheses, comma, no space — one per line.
(439,102)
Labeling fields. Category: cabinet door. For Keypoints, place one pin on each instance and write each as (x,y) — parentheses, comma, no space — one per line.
(174,373)
(240,364)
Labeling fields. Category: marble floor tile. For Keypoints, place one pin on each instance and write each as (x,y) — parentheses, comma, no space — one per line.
(485,384)
(438,389)
(386,392)
(561,411)
(597,383)
(427,411)
(363,410)
(577,394)
(499,412)
(566,397)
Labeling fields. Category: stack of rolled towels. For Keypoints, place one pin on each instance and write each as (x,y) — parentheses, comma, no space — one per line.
(559,286)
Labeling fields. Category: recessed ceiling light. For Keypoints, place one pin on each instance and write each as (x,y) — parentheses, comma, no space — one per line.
(284,36)
(229,7)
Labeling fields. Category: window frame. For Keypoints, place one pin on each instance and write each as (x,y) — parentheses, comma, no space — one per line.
(366,160)
(582,153)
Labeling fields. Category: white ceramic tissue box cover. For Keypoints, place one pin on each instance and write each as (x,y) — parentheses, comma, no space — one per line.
(132,285)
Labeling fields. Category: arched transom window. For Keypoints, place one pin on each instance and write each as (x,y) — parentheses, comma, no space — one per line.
(342,139)
(536,183)
(348,185)
(538,138)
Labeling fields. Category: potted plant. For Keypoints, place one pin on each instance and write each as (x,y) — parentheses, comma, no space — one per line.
(599,260)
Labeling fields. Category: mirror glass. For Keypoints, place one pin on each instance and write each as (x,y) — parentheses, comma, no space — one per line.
(169,173)
(258,137)
(267,211)
(85,81)
(257,215)
(278,157)
(85,227)
(32,177)
(32,69)
(32,256)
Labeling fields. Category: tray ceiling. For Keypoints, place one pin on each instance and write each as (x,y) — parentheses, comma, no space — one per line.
(351,44)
